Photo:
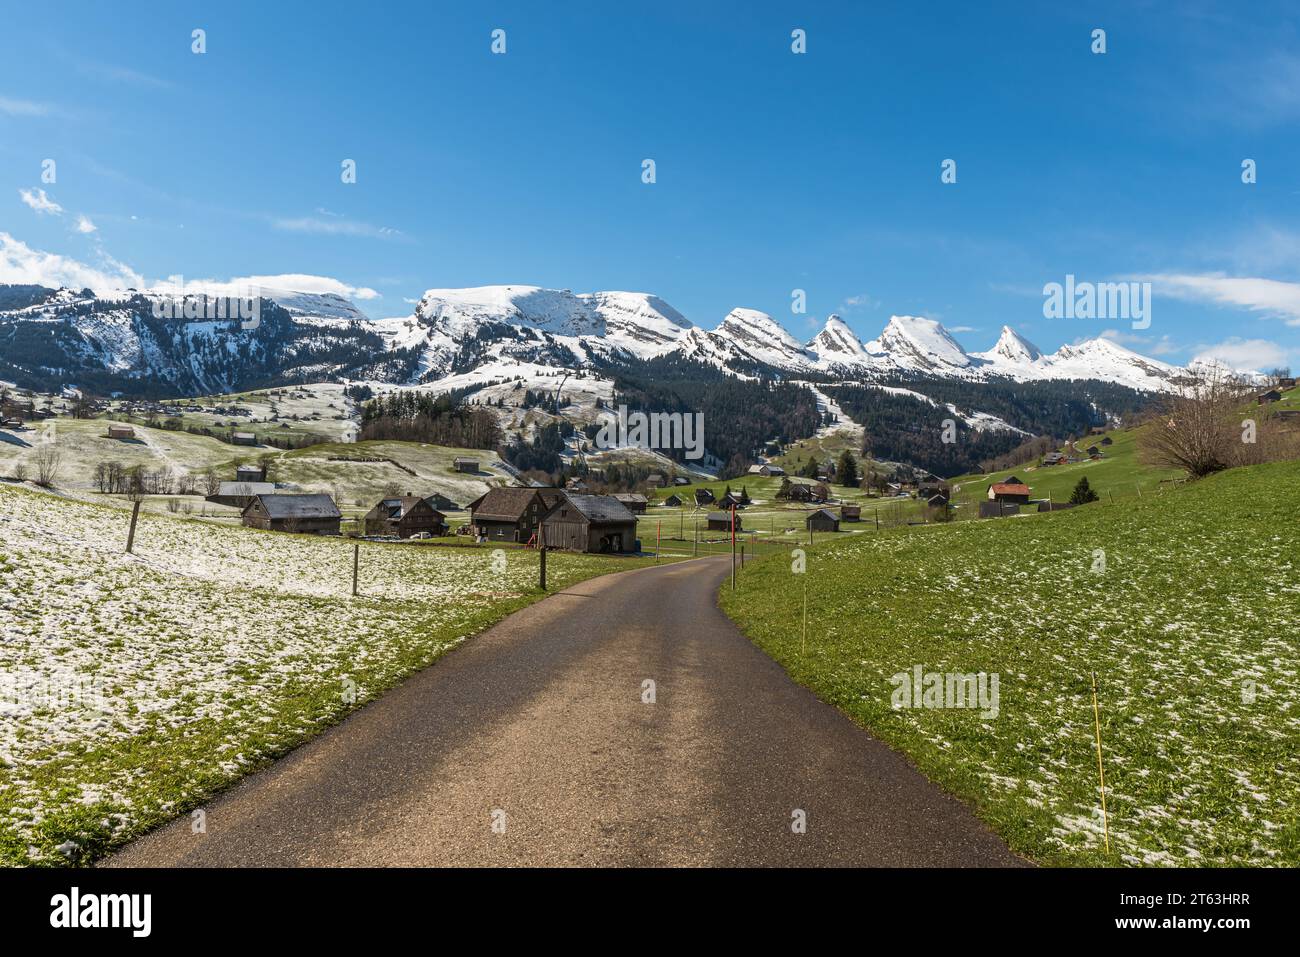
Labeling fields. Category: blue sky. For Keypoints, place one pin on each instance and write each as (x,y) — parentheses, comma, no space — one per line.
(775,171)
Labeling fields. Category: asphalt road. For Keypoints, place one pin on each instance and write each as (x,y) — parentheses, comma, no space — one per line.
(539,725)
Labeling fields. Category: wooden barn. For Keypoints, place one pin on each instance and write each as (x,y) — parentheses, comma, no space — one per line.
(590,523)
(1016,493)
(823,520)
(721,522)
(239,494)
(121,432)
(404,517)
(704,496)
(243,438)
(850,513)
(632,501)
(998,509)
(250,473)
(291,512)
(507,514)
(441,503)
(673,501)
(464,465)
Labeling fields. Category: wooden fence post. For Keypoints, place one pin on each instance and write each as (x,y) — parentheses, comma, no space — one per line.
(130,536)
(356,566)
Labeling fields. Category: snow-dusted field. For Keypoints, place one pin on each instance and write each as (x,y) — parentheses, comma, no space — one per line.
(133,685)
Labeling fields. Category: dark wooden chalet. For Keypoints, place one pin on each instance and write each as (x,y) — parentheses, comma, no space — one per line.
(673,501)
(704,496)
(632,501)
(721,522)
(239,494)
(292,512)
(404,517)
(590,523)
(998,509)
(250,473)
(823,520)
(441,503)
(464,465)
(850,513)
(507,514)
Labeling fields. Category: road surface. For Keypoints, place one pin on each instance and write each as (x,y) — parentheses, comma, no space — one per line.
(532,745)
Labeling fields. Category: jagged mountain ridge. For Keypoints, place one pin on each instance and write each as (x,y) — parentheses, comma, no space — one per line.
(63,336)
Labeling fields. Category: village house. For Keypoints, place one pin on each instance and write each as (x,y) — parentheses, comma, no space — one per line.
(250,473)
(1108,441)
(1054,458)
(590,523)
(800,492)
(310,514)
(116,431)
(1012,491)
(239,494)
(681,480)
(441,503)
(822,520)
(1272,395)
(721,522)
(405,517)
(766,469)
(632,501)
(464,464)
(998,509)
(673,501)
(654,481)
(851,513)
(243,438)
(1286,382)
(704,496)
(507,514)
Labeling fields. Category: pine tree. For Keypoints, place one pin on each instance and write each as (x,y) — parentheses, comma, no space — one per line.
(847,470)
(1083,493)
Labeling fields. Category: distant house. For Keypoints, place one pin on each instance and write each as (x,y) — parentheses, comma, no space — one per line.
(1097,430)
(998,509)
(250,473)
(1009,492)
(464,464)
(239,494)
(405,516)
(673,501)
(1093,450)
(121,432)
(801,492)
(632,501)
(766,469)
(441,503)
(1286,382)
(823,520)
(576,485)
(654,481)
(507,514)
(730,499)
(291,512)
(704,496)
(851,513)
(1054,458)
(1108,441)
(937,501)
(721,522)
(681,480)
(243,438)
(1272,395)
(590,523)
(819,493)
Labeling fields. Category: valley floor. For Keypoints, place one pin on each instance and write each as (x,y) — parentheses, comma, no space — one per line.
(1184,604)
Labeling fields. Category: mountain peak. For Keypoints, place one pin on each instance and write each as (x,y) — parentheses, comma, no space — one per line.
(836,341)
(1013,347)
(920,344)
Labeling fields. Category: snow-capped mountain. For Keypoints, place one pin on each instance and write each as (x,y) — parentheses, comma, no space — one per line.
(70,336)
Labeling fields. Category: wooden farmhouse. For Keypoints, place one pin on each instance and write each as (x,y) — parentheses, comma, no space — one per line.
(998,509)
(721,522)
(464,464)
(823,520)
(116,431)
(704,496)
(673,501)
(239,494)
(508,514)
(851,513)
(291,512)
(405,517)
(243,438)
(1012,492)
(766,469)
(632,501)
(441,503)
(250,473)
(590,523)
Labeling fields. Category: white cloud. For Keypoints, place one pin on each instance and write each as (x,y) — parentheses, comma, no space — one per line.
(19,263)
(12,107)
(1149,345)
(335,227)
(37,200)
(963,329)
(1272,297)
(1257,354)
(84,225)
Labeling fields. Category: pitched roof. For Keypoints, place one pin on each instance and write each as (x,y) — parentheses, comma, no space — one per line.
(721,517)
(1010,488)
(395,509)
(599,509)
(246,488)
(295,505)
(632,497)
(824,512)
(503,504)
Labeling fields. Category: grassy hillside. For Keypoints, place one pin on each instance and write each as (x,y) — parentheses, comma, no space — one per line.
(134,686)
(1178,601)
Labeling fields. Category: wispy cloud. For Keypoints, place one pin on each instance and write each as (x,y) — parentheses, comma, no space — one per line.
(37,200)
(12,107)
(1272,297)
(84,225)
(858,303)
(1257,354)
(335,227)
(19,263)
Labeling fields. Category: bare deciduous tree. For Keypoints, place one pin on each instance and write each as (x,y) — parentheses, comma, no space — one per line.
(47,460)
